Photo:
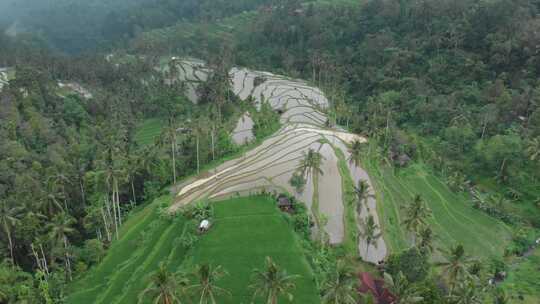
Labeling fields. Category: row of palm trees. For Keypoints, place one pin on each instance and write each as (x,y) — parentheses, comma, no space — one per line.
(166,287)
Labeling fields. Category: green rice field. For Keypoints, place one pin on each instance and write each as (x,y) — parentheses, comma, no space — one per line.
(454,219)
(148,239)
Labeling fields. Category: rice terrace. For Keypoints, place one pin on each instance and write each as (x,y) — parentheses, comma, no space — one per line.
(269,151)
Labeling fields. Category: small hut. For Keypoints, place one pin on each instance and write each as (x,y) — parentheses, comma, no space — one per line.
(284,203)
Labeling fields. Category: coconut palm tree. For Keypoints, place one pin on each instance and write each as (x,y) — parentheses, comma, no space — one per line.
(165,287)
(466,293)
(416,214)
(272,282)
(59,229)
(426,239)
(339,288)
(50,199)
(361,193)
(311,163)
(400,287)
(9,218)
(356,152)
(456,265)
(206,277)
(371,232)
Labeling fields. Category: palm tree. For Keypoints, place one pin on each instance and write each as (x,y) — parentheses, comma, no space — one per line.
(272,282)
(50,200)
(206,288)
(59,229)
(466,293)
(9,218)
(371,232)
(311,163)
(362,194)
(400,287)
(426,239)
(356,152)
(340,287)
(456,265)
(165,287)
(416,214)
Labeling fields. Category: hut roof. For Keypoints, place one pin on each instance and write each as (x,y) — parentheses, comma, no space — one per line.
(284,201)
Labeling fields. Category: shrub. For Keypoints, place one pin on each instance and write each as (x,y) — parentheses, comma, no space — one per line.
(412,262)
(298,182)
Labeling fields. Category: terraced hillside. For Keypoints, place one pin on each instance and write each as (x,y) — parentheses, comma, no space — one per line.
(454,219)
(148,239)
(271,165)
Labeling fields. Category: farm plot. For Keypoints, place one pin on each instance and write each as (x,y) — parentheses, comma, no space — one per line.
(246,230)
(148,131)
(146,239)
(270,166)
(243,132)
(454,219)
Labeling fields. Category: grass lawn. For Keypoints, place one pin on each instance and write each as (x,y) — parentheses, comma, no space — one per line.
(148,131)
(524,280)
(454,219)
(245,231)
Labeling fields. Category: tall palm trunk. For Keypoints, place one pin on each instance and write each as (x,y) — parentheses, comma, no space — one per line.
(133,191)
(198,158)
(106,225)
(68,263)
(8,233)
(213,146)
(173,152)
(118,203)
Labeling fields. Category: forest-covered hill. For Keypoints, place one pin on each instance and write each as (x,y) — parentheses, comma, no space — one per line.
(447,91)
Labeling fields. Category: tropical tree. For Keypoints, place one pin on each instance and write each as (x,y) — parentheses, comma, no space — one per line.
(371,232)
(362,193)
(426,239)
(416,214)
(206,277)
(311,163)
(50,199)
(356,152)
(400,287)
(165,287)
(9,218)
(339,288)
(456,265)
(467,292)
(272,282)
(59,229)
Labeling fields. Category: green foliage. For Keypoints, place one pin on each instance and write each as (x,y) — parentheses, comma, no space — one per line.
(413,263)
(15,285)
(92,252)
(266,121)
(298,182)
